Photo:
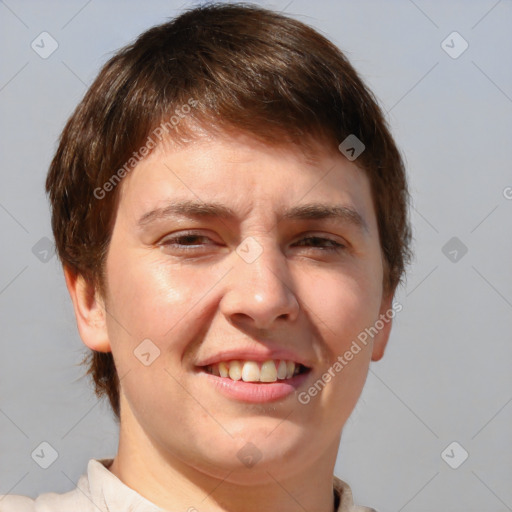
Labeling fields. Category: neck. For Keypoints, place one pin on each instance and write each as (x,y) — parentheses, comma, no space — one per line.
(172,484)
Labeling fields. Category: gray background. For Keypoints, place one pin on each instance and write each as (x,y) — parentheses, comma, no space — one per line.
(446,374)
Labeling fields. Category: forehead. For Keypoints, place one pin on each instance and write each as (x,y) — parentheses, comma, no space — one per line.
(236,174)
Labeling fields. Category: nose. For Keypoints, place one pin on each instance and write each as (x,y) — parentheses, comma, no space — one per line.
(260,292)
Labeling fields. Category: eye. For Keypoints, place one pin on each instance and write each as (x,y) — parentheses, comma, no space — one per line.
(322,243)
(185,241)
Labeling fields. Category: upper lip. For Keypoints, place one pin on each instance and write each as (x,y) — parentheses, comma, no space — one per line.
(258,355)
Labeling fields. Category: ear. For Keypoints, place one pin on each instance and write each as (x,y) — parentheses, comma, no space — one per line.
(381,338)
(89,311)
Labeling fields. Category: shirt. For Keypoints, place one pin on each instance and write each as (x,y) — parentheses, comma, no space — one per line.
(101,490)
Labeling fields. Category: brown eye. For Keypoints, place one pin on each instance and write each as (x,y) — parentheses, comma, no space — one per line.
(322,243)
(186,242)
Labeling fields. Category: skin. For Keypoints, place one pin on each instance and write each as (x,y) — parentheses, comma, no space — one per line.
(179,436)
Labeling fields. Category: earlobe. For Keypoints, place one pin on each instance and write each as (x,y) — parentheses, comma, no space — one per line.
(384,324)
(89,311)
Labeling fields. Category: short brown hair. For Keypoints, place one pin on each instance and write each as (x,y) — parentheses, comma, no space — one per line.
(246,68)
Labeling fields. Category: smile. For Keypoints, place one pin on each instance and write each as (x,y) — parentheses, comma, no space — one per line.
(253,371)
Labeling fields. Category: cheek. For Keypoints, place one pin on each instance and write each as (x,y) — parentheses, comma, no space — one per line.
(344,304)
(146,299)
(151,312)
(150,298)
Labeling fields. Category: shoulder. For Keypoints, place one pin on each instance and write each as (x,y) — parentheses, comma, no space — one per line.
(14,503)
(345,499)
(48,502)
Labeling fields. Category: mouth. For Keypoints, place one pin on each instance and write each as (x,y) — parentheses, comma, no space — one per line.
(246,375)
(269,371)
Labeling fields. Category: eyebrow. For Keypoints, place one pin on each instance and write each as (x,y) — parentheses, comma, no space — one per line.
(310,211)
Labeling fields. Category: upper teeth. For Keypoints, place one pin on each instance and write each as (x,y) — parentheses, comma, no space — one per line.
(252,371)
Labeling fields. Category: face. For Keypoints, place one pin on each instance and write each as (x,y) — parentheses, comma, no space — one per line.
(245,271)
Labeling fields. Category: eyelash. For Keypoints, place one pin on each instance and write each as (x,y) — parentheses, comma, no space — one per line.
(175,241)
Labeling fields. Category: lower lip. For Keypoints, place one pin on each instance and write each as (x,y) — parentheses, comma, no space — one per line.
(256,392)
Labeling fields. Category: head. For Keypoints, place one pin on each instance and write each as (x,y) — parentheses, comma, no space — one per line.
(238,105)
